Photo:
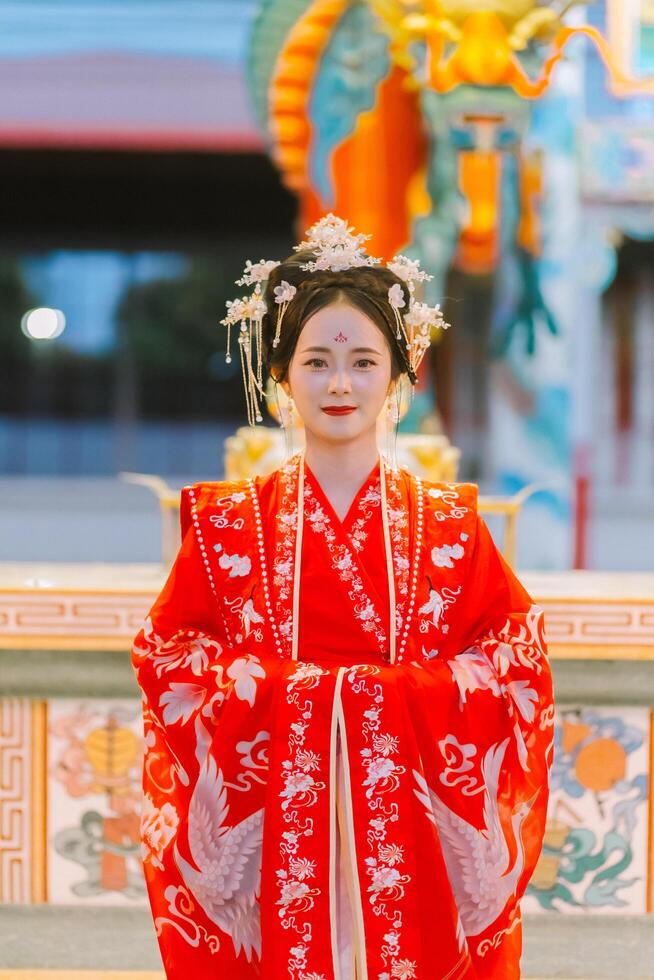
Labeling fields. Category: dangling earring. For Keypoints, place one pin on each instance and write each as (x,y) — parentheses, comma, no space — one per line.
(291,423)
(392,423)
(286,422)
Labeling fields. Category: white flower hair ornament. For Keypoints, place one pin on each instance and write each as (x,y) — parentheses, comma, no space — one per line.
(284,293)
(336,248)
(420,321)
(257,273)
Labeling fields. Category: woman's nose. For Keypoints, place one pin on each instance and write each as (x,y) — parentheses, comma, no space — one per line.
(340,382)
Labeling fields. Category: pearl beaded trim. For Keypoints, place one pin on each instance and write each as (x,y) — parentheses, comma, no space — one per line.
(203,549)
(203,552)
(264,565)
(416,563)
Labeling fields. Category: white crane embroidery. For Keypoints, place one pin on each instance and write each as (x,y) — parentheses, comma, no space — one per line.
(477,861)
(228,881)
(438,602)
(249,615)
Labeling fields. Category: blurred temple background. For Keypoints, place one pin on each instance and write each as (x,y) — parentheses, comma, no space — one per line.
(134,185)
(148,148)
(137,178)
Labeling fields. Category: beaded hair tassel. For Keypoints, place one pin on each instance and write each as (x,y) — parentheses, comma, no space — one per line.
(335,248)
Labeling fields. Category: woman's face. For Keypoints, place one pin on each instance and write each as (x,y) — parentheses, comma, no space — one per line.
(341,359)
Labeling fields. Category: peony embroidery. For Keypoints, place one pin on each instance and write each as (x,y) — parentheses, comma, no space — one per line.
(243,671)
(292,891)
(237,564)
(387,886)
(186,648)
(158,828)
(299,794)
(379,768)
(180,701)
(383,878)
(446,555)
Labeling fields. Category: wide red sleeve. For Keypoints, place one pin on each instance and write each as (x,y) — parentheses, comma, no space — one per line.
(498,638)
(186,599)
(490,589)
(497,654)
(182,634)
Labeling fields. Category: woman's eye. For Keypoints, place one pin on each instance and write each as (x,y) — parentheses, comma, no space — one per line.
(317,362)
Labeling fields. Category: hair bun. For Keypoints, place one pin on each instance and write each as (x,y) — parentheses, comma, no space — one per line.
(321,280)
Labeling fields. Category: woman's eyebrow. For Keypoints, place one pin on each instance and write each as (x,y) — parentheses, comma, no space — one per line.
(355,350)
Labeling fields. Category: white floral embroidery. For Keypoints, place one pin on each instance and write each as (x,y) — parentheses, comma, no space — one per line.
(305,676)
(296,782)
(387,882)
(292,891)
(180,701)
(225,505)
(447,554)
(300,793)
(404,970)
(318,521)
(368,503)
(243,671)
(237,564)
(158,828)
(397,526)
(345,565)
(283,560)
(519,642)
(185,648)
(473,672)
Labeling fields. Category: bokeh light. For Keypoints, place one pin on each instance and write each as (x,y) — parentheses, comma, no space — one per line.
(43,323)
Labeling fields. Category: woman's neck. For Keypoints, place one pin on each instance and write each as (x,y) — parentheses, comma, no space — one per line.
(341,464)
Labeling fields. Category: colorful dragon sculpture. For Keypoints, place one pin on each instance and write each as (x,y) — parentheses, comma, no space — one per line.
(409,117)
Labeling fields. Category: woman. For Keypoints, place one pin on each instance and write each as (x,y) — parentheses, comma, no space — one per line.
(347,699)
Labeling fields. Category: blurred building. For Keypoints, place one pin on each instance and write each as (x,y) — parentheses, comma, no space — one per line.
(135,184)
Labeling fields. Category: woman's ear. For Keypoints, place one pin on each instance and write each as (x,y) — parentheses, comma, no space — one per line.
(283,385)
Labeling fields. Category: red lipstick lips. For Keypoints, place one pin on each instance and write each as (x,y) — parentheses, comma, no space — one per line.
(339,409)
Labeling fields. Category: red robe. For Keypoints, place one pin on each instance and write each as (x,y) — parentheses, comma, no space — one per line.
(339,816)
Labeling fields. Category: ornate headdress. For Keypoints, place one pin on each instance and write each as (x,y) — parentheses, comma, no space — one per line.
(335,248)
